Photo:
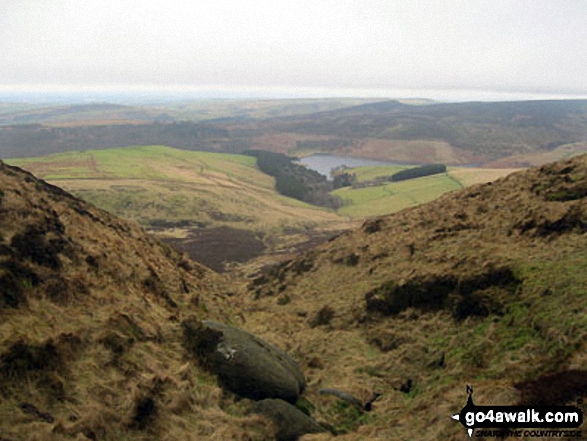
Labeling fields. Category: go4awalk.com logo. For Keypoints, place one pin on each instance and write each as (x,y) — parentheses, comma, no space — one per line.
(553,421)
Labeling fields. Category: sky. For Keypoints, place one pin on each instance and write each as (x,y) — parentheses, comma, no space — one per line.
(481,49)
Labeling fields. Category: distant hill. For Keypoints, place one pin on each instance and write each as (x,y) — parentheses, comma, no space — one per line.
(452,134)
(474,132)
(216,110)
(484,287)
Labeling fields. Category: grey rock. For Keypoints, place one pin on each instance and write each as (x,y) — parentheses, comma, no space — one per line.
(251,367)
(290,422)
(342,395)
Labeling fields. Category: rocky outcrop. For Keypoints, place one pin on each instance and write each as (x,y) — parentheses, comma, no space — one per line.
(245,364)
(290,422)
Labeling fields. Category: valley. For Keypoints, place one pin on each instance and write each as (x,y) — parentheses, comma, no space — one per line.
(194,200)
(484,286)
(446,133)
(128,274)
(220,209)
(293,221)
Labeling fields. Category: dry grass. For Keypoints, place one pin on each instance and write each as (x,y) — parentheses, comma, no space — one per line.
(540,158)
(472,175)
(90,342)
(408,151)
(531,222)
(497,298)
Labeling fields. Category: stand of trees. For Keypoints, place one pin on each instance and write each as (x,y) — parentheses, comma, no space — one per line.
(294,180)
(418,172)
(344,179)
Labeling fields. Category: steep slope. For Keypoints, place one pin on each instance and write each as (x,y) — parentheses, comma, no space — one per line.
(90,335)
(486,286)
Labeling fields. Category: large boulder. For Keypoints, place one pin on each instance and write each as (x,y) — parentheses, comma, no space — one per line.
(290,422)
(245,364)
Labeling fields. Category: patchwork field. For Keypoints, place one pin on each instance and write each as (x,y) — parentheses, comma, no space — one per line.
(175,193)
(395,196)
(220,209)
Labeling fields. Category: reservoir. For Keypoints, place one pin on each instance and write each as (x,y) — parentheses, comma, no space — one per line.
(324,163)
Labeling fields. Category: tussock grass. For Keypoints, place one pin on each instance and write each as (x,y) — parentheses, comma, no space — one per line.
(539,327)
(103,359)
(108,362)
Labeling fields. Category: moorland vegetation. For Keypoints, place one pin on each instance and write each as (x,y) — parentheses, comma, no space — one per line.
(107,333)
(388,323)
(220,208)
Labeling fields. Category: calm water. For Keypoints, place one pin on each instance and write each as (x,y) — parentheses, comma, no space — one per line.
(323,164)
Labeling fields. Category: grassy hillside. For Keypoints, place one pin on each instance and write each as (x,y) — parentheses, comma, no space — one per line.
(484,287)
(395,196)
(534,159)
(90,334)
(178,193)
(465,132)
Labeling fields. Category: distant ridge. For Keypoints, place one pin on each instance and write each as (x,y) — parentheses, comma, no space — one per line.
(457,133)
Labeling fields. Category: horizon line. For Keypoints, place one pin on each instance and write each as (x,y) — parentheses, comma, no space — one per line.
(179,91)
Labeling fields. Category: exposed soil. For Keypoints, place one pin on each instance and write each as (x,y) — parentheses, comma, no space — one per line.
(216,247)
(219,248)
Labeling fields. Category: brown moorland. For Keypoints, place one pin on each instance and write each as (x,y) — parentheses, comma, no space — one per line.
(90,327)
(484,287)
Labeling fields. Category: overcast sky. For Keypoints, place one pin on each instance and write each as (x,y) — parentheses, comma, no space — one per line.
(322,47)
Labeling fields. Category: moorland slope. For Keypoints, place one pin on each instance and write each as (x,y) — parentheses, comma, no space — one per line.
(455,133)
(452,134)
(217,207)
(485,287)
(90,333)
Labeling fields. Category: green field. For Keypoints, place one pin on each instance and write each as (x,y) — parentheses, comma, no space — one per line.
(395,196)
(144,162)
(158,185)
(369,173)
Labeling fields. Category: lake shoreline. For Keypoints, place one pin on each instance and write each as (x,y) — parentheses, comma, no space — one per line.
(324,163)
